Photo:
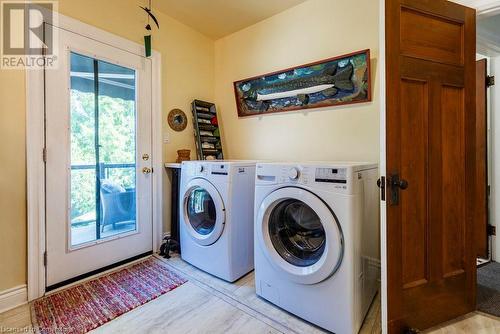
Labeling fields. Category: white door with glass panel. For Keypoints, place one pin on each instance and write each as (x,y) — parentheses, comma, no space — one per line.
(98,167)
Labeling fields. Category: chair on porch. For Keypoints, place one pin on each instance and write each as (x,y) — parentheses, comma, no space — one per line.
(118,204)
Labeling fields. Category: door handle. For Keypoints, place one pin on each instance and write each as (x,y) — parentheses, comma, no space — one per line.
(396,183)
(146,170)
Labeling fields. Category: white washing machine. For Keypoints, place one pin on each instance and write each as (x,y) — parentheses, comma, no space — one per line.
(317,240)
(216,216)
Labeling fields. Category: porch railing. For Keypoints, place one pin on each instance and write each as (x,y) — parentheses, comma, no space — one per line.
(103,168)
(104,173)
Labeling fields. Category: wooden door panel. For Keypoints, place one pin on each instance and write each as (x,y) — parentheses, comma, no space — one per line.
(438,73)
(429,311)
(418,37)
(453,179)
(430,143)
(414,113)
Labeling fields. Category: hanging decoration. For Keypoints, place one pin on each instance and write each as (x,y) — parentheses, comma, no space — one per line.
(147,37)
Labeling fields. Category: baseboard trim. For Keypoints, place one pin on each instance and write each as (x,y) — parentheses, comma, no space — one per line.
(13,297)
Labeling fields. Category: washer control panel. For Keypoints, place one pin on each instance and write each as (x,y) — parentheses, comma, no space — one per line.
(306,175)
(294,174)
(331,175)
(342,178)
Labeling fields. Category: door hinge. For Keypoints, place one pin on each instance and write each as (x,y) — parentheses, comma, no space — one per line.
(490,80)
(488,190)
(44,154)
(492,230)
(381,185)
(45,258)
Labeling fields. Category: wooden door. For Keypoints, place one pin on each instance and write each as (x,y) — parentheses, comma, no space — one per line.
(481,222)
(430,131)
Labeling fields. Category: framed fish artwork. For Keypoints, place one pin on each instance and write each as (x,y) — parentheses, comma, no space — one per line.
(329,82)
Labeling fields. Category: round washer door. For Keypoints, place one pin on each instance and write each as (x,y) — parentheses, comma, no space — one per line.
(300,235)
(204,213)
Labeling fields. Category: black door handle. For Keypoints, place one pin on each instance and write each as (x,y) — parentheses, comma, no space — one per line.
(396,184)
(402,184)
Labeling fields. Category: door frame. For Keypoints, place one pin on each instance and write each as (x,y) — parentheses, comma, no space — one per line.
(35,134)
(484,8)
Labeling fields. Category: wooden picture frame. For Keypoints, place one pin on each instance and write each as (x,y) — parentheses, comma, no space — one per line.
(335,81)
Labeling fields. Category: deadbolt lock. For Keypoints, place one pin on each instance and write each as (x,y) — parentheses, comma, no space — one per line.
(145,157)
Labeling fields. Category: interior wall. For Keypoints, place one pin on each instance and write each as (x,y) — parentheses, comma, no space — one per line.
(192,65)
(495,156)
(311,31)
(12,180)
(187,73)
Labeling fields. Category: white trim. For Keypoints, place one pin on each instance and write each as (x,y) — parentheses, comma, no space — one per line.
(35,143)
(494,158)
(382,166)
(157,154)
(35,174)
(12,298)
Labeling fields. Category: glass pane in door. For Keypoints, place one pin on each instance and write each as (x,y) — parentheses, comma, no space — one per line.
(103,149)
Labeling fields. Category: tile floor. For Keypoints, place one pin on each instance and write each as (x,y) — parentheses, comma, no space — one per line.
(206,304)
(242,292)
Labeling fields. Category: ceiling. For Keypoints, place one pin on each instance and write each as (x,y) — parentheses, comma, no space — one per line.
(488,36)
(219,18)
(480,5)
(491,23)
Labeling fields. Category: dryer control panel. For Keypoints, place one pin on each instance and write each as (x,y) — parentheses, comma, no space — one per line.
(219,169)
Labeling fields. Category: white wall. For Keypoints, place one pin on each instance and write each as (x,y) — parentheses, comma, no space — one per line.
(495,156)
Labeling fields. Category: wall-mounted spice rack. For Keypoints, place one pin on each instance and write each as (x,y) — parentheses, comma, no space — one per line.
(206,131)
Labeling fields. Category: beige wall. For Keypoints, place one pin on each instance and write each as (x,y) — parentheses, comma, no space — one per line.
(187,56)
(12,180)
(187,73)
(314,30)
(193,66)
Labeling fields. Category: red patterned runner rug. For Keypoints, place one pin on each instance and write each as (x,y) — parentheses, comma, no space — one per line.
(86,306)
